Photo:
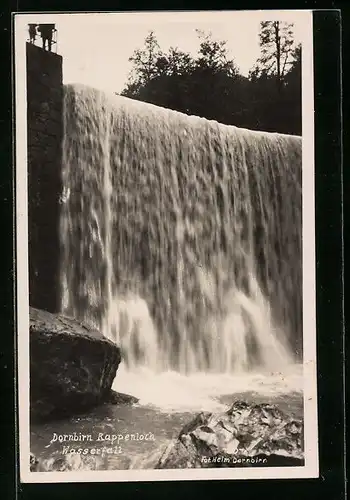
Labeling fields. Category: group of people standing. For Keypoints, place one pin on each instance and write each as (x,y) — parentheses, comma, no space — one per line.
(46,32)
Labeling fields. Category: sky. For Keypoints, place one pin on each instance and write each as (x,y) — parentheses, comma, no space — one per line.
(96,47)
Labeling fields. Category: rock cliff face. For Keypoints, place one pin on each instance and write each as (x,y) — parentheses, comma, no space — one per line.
(44,143)
(246,435)
(72,367)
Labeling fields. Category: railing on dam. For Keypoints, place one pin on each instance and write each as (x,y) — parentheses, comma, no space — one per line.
(37,38)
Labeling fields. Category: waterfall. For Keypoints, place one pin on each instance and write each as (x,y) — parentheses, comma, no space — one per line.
(181,237)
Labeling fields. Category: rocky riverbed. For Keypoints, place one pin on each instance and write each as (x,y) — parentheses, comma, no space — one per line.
(148,437)
(79,423)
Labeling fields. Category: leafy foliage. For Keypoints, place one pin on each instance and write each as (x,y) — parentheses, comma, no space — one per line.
(277,50)
(210,85)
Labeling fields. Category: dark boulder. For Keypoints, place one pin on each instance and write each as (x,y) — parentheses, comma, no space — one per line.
(72,367)
(121,399)
(246,435)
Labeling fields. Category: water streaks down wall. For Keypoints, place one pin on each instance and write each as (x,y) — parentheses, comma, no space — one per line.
(181,237)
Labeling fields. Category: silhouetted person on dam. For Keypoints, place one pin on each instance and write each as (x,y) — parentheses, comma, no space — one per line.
(32,32)
(46,31)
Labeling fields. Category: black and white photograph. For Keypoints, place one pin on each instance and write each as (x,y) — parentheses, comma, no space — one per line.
(165,246)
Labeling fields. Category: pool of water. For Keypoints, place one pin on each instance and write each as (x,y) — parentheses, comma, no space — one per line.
(167,403)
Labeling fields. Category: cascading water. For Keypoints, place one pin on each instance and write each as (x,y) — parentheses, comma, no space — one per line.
(181,237)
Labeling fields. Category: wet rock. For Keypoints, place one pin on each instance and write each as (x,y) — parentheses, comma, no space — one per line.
(245,435)
(119,398)
(72,367)
(34,463)
(69,462)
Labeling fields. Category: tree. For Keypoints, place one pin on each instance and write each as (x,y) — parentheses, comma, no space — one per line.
(276,80)
(208,84)
(277,50)
(176,62)
(194,85)
(145,61)
(293,91)
(213,55)
(294,74)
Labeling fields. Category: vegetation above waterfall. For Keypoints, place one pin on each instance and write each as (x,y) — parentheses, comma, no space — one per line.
(210,84)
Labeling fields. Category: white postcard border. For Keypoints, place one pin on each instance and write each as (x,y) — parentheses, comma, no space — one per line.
(311,467)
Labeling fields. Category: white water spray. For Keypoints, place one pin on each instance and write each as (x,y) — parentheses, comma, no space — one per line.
(181,237)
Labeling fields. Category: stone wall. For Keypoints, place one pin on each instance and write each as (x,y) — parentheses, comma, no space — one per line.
(45,130)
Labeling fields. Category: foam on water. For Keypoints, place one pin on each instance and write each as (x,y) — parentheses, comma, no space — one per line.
(175,392)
